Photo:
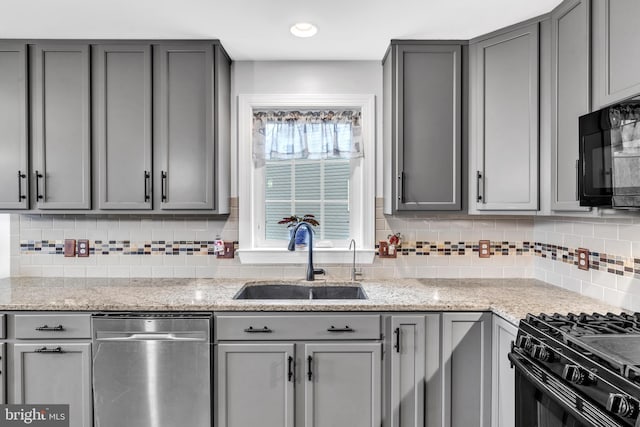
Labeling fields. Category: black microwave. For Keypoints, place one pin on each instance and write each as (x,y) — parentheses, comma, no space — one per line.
(609,164)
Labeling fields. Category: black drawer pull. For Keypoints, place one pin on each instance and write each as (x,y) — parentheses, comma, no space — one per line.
(397,344)
(264,330)
(309,364)
(345,329)
(58,328)
(49,350)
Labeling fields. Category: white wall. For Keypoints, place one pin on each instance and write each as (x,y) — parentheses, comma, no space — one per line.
(306,77)
(5,238)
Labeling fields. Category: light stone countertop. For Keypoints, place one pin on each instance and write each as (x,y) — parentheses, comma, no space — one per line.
(512,299)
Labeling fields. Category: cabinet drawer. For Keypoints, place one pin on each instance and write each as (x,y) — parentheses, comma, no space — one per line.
(298,327)
(47,326)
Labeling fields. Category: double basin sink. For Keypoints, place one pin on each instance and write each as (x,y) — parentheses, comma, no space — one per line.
(268,291)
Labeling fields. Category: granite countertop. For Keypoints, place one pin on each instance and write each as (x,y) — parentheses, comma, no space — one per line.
(510,298)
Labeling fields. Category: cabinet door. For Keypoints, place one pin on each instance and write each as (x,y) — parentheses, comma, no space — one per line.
(466,357)
(503,376)
(122,119)
(407,376)
(14,183)
(570,86)
(254,386)
(60,126)
(342,385)
(616,51)
(428,127)
(55,373)
(184,120)
(506,115)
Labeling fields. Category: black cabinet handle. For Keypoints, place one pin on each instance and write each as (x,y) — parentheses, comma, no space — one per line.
(163,174)
(49,350)
(21,176)
(264,330)
(147,177)
(345,329)
(290,369)
(397,344)
(309,364)
(58,328)
(39,176)
(402,180)
(479,195)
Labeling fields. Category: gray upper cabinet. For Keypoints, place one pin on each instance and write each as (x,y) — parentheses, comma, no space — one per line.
(122,125)
(55,373)
(571,88)
(254,385)
(60,116)
(189,133)
(504,105)
(466,369)
(503,380)
(616,51)
(342,385)
(14,172)
(422,114)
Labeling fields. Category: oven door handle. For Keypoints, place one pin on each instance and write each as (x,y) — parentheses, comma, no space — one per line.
(561,393)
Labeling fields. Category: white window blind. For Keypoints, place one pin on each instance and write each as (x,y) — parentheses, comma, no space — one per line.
(299,187)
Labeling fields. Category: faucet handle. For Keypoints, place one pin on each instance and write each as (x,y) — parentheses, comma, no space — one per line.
(319,271)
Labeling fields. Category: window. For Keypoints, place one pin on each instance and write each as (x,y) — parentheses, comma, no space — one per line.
(306,155)
(317,187)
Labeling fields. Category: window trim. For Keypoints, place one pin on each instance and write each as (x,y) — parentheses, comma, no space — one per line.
(364,233)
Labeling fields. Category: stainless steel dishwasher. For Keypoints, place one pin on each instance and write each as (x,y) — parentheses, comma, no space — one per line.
(152,370)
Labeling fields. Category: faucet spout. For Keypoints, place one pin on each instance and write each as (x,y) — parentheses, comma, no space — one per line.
(311,271)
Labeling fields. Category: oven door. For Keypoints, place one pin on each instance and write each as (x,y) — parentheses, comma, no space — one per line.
(545,400)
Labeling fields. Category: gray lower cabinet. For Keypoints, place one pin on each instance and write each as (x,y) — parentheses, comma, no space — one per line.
(466,369)
(504,113)
(422,120)
(60,115)
(254,385)
(413,396)
(570,90)
(122,125)
(191,96)
(502,374)
(616,51)
(55,373)
(338,384)
(14,164)
(342,385)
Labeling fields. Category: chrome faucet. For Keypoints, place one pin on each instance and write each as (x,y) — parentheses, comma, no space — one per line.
(354,271)
(311,272)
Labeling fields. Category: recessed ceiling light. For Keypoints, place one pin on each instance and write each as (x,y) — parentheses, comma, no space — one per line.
(304,29)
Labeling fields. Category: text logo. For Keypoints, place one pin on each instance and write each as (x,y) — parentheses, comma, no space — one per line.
(34,415)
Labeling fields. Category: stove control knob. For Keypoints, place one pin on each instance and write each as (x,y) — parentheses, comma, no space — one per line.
(541,353)
(524,342)
(622,405)
(576,375)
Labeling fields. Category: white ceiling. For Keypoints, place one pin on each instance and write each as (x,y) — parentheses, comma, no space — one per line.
(259,29)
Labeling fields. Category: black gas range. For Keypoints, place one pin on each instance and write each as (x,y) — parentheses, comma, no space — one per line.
(578,370)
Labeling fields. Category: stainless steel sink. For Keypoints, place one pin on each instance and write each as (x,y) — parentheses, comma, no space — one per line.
(270,291)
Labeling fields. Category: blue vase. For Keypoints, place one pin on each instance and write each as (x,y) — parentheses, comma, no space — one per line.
(302,236)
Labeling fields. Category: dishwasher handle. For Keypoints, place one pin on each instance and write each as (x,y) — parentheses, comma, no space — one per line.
(150,336)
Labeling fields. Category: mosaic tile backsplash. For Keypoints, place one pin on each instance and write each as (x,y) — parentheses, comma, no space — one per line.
(433,246)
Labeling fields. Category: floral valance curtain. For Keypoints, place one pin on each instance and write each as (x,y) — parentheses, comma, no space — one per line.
(286,135)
